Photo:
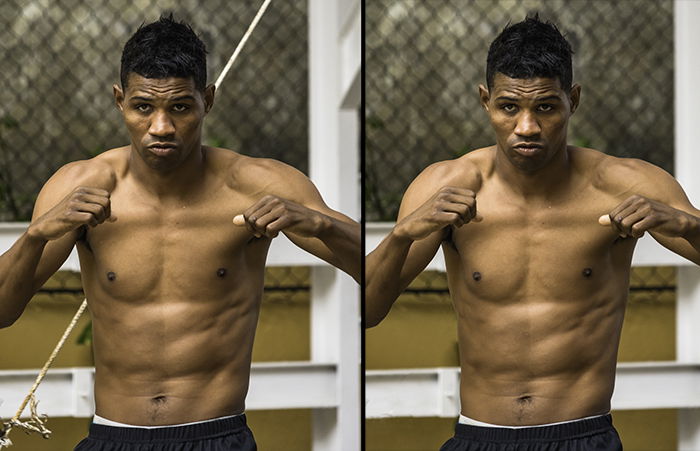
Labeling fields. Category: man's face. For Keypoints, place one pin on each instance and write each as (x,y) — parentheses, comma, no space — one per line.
(530,117)
(164,118)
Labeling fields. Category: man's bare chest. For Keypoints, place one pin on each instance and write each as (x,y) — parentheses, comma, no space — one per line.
(537,249)
(154,249)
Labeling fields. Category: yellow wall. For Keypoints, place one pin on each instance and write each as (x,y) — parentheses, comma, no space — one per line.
(283,334)
(420,331)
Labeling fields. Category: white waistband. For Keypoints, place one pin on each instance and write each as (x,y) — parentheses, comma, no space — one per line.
(105,422)
(473,422)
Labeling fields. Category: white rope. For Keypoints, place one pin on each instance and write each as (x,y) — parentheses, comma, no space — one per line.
(245,37)
(36,422)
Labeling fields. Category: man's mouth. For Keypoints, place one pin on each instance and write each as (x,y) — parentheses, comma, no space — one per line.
(162,149)
(528,149)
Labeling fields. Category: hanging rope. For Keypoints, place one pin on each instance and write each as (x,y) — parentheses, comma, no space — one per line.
(37,422)
(240,45)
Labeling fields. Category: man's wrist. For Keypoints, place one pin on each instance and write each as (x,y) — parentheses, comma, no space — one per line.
(400,234)
(692,227)
(324,224)
(33,235)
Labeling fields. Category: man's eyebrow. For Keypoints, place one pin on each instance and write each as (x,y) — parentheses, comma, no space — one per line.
(537,99)
(548,98)
(174,99)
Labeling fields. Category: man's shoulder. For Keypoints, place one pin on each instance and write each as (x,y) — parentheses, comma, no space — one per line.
(467,171)
(246,173)
(619,174)
(100,171)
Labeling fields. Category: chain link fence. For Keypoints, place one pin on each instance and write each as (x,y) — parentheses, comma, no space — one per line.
(425,59)
(423,63)
(61,58)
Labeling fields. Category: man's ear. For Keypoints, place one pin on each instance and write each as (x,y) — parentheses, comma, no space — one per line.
(118,97)
(575,97)
(209,94)
(484,97)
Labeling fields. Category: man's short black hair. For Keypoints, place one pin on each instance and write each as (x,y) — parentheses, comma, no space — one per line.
(530,49)
(163,49)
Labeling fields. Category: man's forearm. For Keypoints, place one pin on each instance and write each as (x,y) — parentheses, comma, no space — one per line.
(383,283)
(692,234)
(17,268)
(343,239)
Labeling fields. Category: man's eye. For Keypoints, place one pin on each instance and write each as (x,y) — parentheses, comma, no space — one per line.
(143,107)
(545,107)
(179,108)
(508,108)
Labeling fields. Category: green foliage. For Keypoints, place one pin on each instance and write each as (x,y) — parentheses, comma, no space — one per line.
(215,142)
(9,122)
(464,150)
(374,122)
(95,151)
(85,337)
(582,142)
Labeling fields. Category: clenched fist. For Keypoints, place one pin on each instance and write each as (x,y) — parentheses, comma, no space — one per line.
(272,214)
(449,206)
(84,206)
(638,214)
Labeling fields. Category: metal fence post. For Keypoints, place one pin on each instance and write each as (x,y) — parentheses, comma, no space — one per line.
(687,160)
(333,166)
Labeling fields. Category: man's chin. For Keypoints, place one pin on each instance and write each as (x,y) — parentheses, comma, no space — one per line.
(528,164)
(160,163)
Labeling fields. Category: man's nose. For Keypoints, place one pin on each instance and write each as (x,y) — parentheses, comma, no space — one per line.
(527,125)
(161,125)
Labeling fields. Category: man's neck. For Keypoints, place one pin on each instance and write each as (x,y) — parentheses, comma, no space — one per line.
(544,183)
(174,183)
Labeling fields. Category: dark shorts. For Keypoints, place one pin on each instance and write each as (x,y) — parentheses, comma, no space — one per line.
(220,435)
(592,434)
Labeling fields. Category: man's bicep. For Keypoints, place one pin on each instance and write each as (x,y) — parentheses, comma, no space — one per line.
(309,196)
(419,257)
(422,251)
(302,191)
(55,252)
(54,255)
(657,184)
(666,189)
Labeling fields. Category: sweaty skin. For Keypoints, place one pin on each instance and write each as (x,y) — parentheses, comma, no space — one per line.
(173,285)
(538,284)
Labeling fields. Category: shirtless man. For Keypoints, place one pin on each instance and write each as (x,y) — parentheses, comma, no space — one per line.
(173,285)
(539,271)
